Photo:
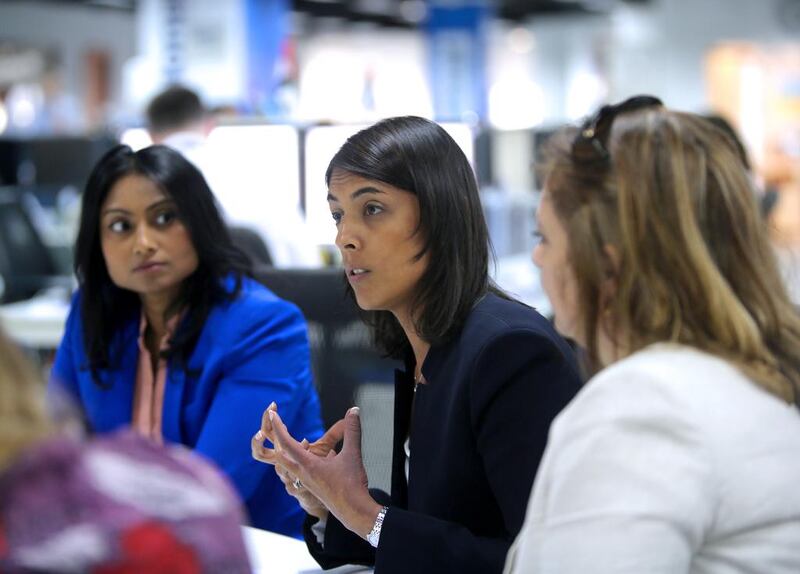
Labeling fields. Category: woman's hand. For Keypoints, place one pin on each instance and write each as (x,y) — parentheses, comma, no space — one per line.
(310,503)
(320,447)
(338,481)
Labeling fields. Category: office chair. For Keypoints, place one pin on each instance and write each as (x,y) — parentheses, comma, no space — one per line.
(26,265)
(348,370)
(251,243)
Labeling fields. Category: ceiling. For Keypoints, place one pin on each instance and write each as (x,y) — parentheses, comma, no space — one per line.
(403,13)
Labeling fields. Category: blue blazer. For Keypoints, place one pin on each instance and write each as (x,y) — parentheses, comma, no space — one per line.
(252,351)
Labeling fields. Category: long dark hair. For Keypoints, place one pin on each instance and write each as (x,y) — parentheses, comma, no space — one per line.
(105,307)
(418,156)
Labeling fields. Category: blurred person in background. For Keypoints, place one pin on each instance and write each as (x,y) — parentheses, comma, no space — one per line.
(177,118)
(682,453)
(484,374)
(169,334)
(119,503)
(782,172)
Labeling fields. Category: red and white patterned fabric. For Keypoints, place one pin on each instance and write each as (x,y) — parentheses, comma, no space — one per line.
(116,505)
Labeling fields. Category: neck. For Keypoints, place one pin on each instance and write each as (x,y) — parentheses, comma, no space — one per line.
(419,346)
(157,310)
(609,348)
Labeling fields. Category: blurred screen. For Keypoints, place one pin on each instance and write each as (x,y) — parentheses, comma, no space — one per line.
(136,138)
(247,166)
(321,144)
(258,164)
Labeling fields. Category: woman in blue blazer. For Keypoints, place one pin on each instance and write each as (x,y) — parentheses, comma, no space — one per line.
(168,333)
(485,375)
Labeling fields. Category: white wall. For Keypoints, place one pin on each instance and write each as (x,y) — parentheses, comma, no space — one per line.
(336,66)
(210,40)
(658,48)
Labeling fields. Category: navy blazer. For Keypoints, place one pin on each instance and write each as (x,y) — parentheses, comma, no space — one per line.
(478,430)
(252,351)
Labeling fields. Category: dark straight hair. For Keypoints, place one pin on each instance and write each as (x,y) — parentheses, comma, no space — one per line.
(105,307)
(418,156)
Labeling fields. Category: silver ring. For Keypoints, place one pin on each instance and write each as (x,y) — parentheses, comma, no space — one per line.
(297,484)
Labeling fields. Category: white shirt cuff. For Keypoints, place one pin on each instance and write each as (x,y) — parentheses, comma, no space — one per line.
(318,530)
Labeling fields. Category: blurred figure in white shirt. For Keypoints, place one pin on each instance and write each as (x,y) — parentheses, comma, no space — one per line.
(177,118)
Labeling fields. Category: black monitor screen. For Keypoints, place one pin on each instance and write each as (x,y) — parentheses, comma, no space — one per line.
(25,262)
(57,161)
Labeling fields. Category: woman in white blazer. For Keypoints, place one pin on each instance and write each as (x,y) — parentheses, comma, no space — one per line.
(682,453)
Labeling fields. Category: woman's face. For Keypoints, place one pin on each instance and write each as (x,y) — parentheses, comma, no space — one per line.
(551,256)
(146,247)
(378,238)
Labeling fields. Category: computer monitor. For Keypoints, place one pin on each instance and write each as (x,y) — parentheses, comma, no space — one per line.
(25,262)
(252,164)
(321,144)
(258,166)
(50,162)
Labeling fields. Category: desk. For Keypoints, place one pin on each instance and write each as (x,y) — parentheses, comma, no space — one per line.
(277,554)
(37,323)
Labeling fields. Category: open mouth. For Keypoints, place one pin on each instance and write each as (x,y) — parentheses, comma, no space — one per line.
(356,274)
(154,266)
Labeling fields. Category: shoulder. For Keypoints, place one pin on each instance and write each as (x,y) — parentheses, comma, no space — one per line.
(74,310)
(254,303)
(252,323)
(670,374)
(664,388)
(506,346)
(498,325)
(681,385)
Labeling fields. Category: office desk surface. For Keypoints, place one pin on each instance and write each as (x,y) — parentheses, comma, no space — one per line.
(37,323)
(277,554)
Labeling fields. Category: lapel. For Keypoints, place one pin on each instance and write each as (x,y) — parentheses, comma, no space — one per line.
(173,404)
(111,405)
(172,414)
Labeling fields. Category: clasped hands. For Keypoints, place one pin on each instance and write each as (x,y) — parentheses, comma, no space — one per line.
(330,482)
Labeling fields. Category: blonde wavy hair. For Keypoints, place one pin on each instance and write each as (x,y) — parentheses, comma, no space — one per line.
(23,416)
(692,261)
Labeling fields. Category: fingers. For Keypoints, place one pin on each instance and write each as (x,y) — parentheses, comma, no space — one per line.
(259,451)
(257,448)
(352,433)
(266,424)
(333,436)
(288,452)
(287,479)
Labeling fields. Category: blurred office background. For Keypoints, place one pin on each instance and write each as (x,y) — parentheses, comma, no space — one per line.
(289,80)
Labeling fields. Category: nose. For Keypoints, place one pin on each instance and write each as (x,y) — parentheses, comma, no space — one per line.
(536,255)
(347,237)
(144,241)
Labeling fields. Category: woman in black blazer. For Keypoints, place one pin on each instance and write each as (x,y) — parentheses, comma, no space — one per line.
(485,375)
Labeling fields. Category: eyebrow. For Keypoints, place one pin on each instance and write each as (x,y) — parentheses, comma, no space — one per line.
(358,193)
(150,207)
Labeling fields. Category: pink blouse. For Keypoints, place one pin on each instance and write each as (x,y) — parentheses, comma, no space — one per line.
(148,397)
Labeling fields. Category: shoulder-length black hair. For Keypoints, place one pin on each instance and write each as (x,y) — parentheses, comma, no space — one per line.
(104,306)
(419,156)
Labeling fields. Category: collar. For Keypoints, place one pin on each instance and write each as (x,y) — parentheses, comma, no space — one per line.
(171,325)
